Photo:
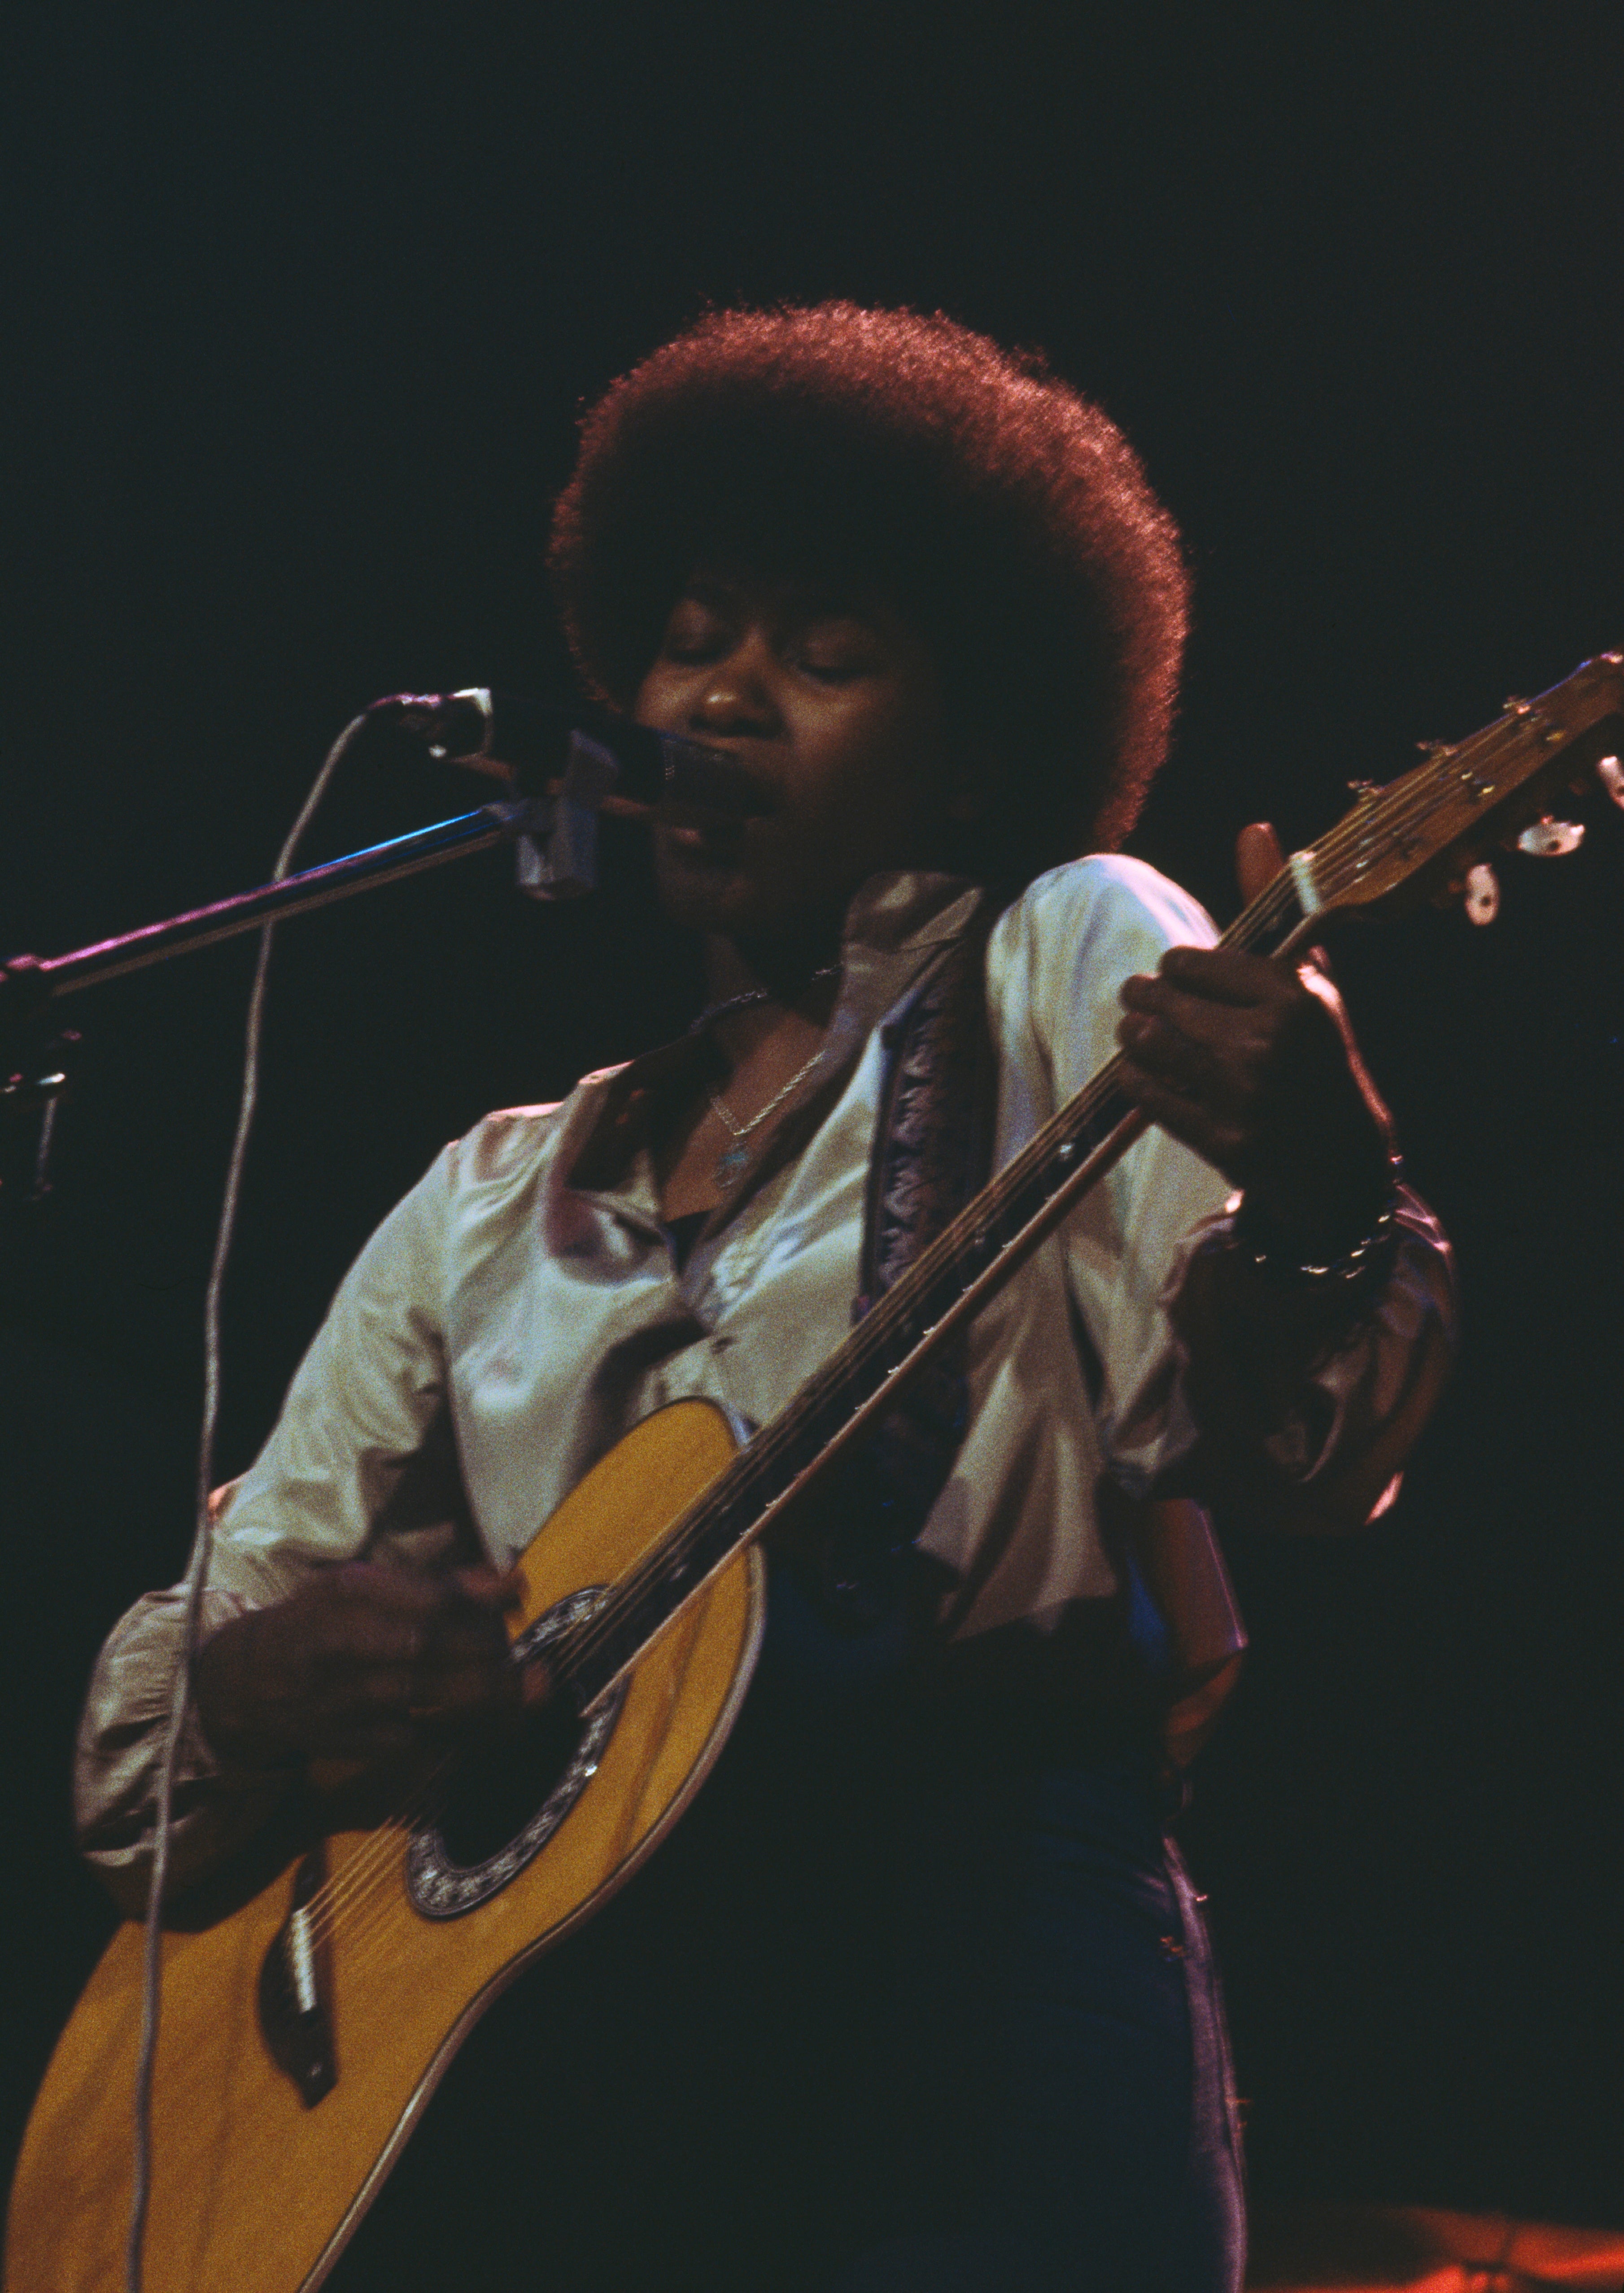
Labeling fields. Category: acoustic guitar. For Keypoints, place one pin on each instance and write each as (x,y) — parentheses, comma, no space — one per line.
(314,1995)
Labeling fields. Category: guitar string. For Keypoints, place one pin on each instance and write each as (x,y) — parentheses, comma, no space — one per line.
(367,1868)
(1415,799)
(363,1940)
(1420,792)
(359,1941)
(369,1873)
(1335,860)
(364,1917)
(879,1328)
(366,1871)
(343,1888)
(357,1930)
(873,1335)
(362,1871)
(360,1909)
(371,1865)
(1410,800)
(1415,794)
(345,1916)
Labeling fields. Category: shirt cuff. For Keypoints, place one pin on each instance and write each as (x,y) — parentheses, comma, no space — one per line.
(1307,1399)
(217,1804)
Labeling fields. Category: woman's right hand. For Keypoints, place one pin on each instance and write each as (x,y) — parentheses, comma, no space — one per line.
(364,1662)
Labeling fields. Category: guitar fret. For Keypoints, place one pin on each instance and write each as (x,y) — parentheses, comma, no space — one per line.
(876,1350)
(914,1308)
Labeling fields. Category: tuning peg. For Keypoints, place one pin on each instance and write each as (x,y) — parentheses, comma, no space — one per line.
(1612,774)
(1551,839)
(1482,893)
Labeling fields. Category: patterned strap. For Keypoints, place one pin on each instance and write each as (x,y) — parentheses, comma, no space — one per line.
(933,1152)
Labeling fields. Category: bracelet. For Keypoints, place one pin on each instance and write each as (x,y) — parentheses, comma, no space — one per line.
(1252,1238)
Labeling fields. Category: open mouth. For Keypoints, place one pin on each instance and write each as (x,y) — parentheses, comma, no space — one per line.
(705,784)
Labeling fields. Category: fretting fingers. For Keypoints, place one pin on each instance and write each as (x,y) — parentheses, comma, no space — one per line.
(1164,1053)
(1205,1047)
(1259,858)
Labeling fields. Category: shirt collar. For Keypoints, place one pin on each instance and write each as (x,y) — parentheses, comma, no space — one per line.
(893,926)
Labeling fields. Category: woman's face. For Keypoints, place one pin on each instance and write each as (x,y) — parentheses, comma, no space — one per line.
(835,710)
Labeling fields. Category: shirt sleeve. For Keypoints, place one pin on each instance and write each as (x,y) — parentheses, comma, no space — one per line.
(1212,1378)
(1306,1405)
(350,1463)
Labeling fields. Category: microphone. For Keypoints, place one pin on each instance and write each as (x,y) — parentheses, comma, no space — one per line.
(583,754)
(569,764)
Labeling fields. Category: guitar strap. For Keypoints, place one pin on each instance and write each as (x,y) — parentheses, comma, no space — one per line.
(933,1152)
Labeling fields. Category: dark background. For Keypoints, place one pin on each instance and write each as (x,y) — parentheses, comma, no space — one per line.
(303,305)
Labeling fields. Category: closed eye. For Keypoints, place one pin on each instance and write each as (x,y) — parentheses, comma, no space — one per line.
(693,649)
(695,632)
(835,651)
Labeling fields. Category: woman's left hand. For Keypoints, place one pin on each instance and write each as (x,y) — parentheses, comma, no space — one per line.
(1255,1066)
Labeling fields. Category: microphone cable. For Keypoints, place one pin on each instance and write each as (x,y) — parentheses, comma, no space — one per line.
(203,1539)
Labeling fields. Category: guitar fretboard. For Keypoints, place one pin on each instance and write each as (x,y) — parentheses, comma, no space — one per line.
(787,1453)
(1460,796)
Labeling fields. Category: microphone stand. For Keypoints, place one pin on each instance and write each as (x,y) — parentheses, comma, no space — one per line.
(30,983)
(556,830)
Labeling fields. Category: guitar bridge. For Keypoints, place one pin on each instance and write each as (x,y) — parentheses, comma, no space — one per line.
(294,1990)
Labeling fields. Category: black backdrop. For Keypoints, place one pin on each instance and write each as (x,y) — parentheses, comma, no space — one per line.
(302,303)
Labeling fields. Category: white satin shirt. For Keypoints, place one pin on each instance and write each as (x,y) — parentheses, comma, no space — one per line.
(524,1301)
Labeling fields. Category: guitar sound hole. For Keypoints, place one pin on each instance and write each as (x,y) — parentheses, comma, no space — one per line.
(491,1800)
(498,1813)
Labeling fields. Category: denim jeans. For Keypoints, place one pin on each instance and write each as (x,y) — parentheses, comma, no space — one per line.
(1096,2126)
(899,2007)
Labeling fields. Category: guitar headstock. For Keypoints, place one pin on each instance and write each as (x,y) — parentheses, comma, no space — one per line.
(1425,832)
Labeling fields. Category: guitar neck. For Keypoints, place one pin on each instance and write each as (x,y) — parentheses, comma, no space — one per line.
(948,1283)
(1428,826)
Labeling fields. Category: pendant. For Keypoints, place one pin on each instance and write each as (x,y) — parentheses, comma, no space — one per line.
(731,1165)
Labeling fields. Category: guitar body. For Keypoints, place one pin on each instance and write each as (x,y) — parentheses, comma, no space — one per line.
(253,2188)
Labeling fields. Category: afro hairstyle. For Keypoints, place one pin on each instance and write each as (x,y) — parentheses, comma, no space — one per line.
(886,451)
